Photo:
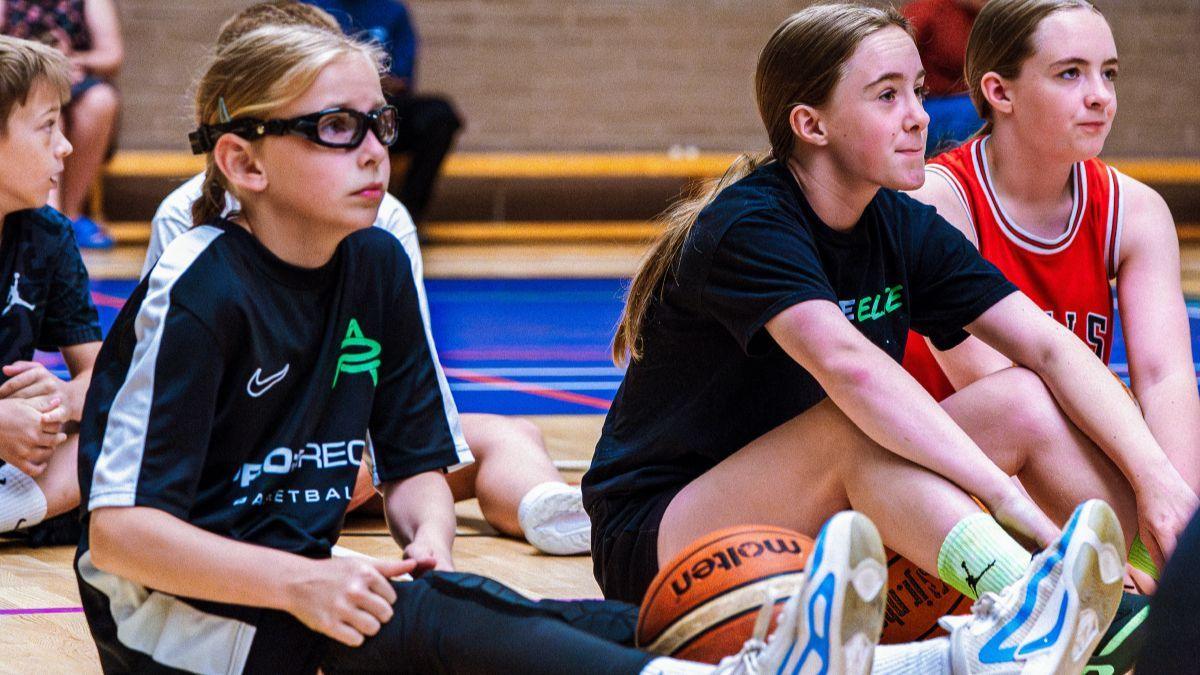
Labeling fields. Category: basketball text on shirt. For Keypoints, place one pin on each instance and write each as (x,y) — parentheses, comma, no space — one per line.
(319,456)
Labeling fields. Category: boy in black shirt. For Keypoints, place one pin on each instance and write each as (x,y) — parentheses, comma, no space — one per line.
(44,287)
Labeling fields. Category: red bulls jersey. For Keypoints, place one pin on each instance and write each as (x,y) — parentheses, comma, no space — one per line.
(1067,276)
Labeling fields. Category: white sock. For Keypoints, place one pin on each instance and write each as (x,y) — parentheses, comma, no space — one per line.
(931,657)
(665,665)
(541,491)
(21,500)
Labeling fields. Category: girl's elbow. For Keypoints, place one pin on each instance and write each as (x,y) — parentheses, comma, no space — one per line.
(103,537)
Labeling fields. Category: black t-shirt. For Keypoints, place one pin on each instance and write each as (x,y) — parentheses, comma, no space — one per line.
(236,392)
(711,379)
(46,303)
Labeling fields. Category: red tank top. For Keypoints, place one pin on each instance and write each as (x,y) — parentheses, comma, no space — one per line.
(1067,276)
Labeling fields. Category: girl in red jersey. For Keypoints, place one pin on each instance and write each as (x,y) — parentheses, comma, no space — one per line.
(1030,194)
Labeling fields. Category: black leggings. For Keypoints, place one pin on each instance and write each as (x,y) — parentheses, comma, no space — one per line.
(1173,628)
(463,623)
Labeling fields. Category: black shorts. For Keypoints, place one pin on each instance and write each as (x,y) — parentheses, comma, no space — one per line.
(625,543)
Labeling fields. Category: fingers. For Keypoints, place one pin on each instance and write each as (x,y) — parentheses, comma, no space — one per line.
(377,606)
(382,588)
(19,367)
(27,380)
(50,440)
(344,634)
(52,421)
(1162,547)
(363,622)
(394,568)
(31,469)
(47,405)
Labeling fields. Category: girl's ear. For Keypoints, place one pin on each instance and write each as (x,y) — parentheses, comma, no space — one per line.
(997,92)
(236,159)
(808,125)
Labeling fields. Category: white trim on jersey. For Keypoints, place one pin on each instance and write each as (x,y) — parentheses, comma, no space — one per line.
(1116,223)
(115,478)
(465,458)
(952,180)
(169,630)
(1014,232)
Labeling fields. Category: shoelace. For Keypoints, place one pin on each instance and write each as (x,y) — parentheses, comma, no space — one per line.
(746,660)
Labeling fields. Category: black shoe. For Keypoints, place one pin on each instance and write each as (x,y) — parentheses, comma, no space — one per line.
(61,530)
(1118,649)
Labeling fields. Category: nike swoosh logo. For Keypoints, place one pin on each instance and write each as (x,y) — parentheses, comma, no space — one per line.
(258,385)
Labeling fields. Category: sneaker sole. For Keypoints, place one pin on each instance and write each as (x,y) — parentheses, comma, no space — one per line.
(1096,566)
(843,600)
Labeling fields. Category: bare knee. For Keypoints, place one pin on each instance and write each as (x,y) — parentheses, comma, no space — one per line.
(1032,412)
(491,435)
(98,104)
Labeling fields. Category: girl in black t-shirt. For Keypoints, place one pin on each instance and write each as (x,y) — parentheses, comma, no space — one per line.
(764,330)
(233,401)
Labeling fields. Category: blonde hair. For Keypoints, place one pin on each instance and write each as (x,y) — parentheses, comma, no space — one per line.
(258,73)
(275,13)
(1002,39)
(25,63)
(801,64)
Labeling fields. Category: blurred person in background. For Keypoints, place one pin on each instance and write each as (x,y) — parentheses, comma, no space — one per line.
(88,32)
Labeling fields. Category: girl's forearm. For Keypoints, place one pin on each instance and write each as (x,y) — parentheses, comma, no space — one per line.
(421,508)
(157,550)
(1172,411)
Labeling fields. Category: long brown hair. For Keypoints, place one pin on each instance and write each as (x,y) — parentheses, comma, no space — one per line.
(257,73)
(1002,39)
(800,65)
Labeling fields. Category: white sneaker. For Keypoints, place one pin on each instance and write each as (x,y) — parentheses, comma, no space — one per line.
(553,519)
(833,622)
(1050,620)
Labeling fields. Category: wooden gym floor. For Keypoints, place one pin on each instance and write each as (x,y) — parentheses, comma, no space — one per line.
(42,629)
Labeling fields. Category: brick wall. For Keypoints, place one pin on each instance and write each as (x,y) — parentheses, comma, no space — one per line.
(628,74)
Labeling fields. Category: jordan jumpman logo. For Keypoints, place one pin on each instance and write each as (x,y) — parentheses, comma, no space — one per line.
(14,296)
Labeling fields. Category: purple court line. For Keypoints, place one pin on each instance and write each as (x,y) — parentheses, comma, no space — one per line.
(41,610)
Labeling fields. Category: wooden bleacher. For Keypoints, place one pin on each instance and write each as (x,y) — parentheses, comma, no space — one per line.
(520,166)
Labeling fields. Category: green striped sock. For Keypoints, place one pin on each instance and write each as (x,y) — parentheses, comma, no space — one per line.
(978,556)
(1139,557)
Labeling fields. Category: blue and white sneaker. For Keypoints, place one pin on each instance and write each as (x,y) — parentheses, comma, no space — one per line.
(832,623)
(1050,620)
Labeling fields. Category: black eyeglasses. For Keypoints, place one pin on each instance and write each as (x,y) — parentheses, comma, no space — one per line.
(333,128)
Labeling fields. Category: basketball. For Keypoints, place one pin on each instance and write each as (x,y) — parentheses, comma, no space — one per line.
(915,601)
(703,604)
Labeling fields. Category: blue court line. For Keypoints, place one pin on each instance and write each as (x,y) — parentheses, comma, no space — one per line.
(533,346)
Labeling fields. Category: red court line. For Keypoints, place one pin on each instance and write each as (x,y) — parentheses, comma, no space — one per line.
(41,610)
(518,386)
(107,300)
(524,354)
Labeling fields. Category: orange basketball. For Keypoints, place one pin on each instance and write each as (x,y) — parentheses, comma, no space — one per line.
(703,604)
(915,601)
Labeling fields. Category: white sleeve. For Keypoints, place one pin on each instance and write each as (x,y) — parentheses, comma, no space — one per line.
(174,217)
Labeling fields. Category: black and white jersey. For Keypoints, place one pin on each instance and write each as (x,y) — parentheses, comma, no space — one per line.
(237,392)
(46,300)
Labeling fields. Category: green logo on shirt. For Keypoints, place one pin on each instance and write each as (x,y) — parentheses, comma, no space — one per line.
(873,307)
(359,355)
